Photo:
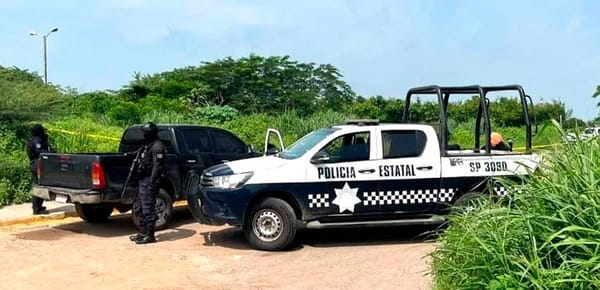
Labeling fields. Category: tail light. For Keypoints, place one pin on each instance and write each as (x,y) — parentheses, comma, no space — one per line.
(98,177)
(39,169)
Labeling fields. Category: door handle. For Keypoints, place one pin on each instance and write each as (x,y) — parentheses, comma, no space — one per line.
(425,167)
(366,171)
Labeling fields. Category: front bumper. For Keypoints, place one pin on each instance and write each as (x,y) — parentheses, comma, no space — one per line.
(83,196)
(213,206)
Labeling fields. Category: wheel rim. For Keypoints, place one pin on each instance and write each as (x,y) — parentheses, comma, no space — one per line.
(469,208)
(161,210)
(267,225)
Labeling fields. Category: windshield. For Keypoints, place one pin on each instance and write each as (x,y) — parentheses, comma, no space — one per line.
(306,143)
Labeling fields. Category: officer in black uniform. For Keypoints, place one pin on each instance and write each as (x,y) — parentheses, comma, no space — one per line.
(150,172)
(37,144)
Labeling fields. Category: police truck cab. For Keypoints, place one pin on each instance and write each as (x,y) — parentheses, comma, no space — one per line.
(361,173)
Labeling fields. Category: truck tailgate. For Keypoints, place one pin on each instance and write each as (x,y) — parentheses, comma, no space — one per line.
(66,170)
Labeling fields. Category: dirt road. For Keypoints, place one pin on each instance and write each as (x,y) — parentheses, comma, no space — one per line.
(77,255)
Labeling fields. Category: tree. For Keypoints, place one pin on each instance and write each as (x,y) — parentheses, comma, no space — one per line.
(17,75)
(24,97)
(250,84)
(574,123)
(544,111)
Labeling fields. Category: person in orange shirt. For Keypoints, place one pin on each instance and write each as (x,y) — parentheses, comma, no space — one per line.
(498,142)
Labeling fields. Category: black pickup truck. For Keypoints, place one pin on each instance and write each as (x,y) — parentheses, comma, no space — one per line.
(93,181)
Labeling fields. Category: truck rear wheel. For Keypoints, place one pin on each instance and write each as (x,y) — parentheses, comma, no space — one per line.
(93,213)
(164,211)
(468,202)
(270,225)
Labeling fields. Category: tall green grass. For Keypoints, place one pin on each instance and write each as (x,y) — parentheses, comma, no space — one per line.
(547,236)
(83,135)
(252,128)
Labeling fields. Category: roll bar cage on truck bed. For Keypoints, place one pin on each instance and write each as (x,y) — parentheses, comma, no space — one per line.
(443,95)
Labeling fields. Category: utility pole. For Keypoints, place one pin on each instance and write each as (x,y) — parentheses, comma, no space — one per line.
(44,38)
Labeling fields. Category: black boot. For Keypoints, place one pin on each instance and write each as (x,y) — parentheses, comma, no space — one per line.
(136,237)
(149,236)
(36,203)
(41,210)
(140,235)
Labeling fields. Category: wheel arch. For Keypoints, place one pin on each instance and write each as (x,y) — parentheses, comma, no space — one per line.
(169,186)
(283,195)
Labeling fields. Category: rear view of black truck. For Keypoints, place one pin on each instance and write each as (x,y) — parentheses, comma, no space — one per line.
(93,181)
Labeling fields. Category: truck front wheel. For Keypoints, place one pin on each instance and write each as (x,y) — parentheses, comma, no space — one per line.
(270,225)
(93,213)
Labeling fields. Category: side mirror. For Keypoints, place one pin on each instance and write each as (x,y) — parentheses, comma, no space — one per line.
(271,149)
(250,148)
(320,157)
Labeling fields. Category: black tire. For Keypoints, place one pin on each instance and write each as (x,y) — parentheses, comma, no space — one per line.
(195,208)
(270,225)
(195,202)
(468,202)
(123,208)
(164,210)
(93,213)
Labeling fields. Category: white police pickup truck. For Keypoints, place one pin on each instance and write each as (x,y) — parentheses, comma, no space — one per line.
(359,174)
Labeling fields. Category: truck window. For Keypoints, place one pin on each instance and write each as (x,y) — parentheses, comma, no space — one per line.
(349,147)
(133,138)
(403,143)
(196,140)
(225,142)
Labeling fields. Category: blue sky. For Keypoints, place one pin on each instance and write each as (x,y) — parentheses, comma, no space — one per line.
(552,48)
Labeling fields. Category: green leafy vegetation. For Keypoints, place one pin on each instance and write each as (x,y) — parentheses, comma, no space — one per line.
(544,237)
(245,95)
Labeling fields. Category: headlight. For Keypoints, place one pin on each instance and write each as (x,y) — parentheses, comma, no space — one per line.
(231,181)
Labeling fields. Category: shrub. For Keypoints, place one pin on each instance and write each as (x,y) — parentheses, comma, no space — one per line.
(250,128)
(99,102)
(216,114)
(15,182)
(125,113)
(153,103)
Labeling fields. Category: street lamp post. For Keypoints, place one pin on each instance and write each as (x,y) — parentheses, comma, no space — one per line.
(44,37)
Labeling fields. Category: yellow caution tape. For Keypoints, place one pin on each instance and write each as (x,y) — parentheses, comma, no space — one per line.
(536,147)
(89,135)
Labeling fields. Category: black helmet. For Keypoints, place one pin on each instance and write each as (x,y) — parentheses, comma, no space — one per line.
(38,131)
(150,131)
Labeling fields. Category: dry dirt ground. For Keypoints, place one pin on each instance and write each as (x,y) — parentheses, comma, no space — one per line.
(72,254)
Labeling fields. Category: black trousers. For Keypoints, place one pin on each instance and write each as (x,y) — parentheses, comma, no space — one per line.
(36,202)
(144,205)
